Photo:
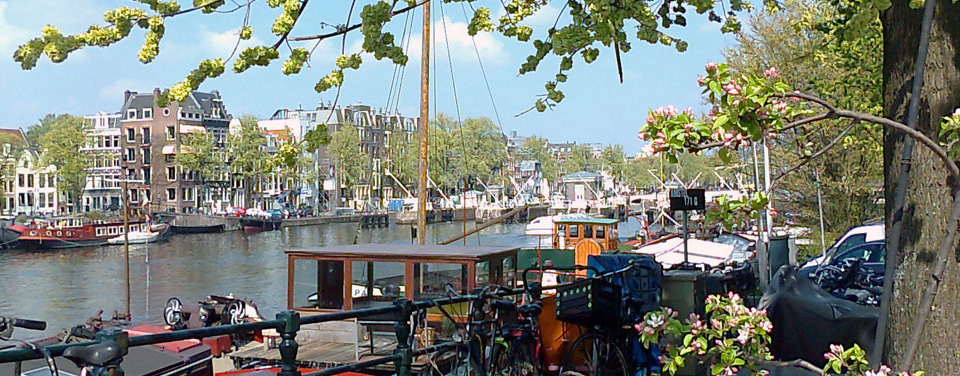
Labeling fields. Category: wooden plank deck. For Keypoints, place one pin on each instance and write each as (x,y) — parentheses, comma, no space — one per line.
(313,353)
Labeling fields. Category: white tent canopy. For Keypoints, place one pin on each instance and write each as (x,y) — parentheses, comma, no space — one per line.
(670,252)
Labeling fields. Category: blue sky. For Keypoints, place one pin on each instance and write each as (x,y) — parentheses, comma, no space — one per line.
(597,107)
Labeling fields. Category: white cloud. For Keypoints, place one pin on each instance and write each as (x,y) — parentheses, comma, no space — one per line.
(490,46)
(10,34)
(543,18)
(221,44)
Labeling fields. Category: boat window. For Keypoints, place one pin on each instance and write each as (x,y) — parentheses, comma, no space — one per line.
(377,283)
(574,231)
(431,280)
(561,230)
(509,277)
(601,232)
(587,231)
(99,231)
(483,273)
(317,284)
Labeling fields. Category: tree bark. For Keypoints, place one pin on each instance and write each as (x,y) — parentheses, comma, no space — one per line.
(927,204)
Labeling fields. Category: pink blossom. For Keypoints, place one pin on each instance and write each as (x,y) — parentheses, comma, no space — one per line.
(730,371)
(688,127)
(688,111)
(743,337)
(711,66)
(771,73)
(956,113)
(766,326)
(649,119)
(780,106)
(642,136)
(672,111)
(732,88)
(836,348)
(701,80)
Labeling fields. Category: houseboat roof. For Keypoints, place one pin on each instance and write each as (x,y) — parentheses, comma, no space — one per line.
(403,251)
(585,220)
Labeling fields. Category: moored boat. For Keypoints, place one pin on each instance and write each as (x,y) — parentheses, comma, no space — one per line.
(203,229)
(261,220)
(73,232)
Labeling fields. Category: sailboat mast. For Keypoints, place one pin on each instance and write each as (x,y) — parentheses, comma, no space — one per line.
(424,124)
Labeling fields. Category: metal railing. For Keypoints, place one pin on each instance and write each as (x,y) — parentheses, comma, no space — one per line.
(287,324)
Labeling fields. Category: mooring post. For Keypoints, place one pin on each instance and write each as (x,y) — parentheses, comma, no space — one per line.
(405,363)
(288,347)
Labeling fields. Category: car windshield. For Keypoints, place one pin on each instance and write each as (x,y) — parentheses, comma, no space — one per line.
(872,252)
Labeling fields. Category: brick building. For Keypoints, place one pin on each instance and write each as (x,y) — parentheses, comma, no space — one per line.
(150,140)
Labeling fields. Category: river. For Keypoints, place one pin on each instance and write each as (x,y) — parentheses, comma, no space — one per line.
(65,287)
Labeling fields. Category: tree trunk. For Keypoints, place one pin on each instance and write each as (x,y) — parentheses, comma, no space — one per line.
(927,202)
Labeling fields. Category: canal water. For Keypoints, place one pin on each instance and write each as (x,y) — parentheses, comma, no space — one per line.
(65,287)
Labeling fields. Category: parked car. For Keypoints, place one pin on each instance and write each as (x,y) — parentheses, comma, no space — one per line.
(872,256)
(852,238)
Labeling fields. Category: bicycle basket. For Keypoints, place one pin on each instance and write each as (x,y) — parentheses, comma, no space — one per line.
(588,302)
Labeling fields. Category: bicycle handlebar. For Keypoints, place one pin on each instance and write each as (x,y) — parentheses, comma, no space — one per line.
(23,323)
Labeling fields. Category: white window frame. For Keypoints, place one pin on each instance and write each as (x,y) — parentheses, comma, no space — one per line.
(148,113)
(174,191)
(131,114)
(174,173)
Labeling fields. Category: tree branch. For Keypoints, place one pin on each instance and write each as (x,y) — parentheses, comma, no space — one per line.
(343,30)
(295,19)
(820,152)
(799,363)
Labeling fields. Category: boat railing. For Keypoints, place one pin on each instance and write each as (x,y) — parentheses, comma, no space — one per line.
(287,324)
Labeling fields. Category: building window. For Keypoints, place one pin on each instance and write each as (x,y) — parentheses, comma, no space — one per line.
(131,114)
(146,155)
(148,113)
(131,134)
(171,132)
(171,173)
(21,180)
(131,155)
(146,135)
(166,112)
(188,194)
(146,175)
(171,194)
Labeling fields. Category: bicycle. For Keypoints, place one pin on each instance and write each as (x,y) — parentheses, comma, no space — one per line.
(520,345)
(596,352)
(476,340)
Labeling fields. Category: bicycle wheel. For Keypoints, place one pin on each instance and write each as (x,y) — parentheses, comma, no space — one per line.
(521,361)
(595,355)
(452,362)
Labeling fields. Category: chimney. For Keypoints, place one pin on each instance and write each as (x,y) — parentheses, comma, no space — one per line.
(156,93)
(127,94)
(215,93)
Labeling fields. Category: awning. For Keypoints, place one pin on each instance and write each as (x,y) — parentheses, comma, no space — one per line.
(184,128)
(169,149)
(670,252)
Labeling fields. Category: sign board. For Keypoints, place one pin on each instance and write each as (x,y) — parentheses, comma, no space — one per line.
(687,199)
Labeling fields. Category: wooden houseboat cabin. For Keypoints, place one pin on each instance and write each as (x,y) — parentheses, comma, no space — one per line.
(570,231)
(360,276)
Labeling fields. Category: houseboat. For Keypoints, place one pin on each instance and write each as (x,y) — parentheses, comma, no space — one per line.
(73,232)
(340,278)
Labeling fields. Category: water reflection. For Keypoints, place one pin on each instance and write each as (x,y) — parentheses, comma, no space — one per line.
(65,287)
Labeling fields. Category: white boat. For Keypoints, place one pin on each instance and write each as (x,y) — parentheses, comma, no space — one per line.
(136,237)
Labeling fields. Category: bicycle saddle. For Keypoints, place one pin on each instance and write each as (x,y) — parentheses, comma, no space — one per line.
(98,354)
(504,305)
(531,310)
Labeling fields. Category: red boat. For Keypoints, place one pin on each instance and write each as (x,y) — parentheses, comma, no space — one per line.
(73,232)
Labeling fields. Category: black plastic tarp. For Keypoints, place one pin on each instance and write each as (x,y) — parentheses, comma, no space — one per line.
(807,320)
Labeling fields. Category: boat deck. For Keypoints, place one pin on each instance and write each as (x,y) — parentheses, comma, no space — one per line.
(319,354)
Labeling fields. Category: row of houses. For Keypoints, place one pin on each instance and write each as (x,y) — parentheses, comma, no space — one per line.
(138,145)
